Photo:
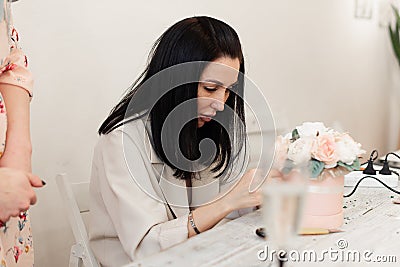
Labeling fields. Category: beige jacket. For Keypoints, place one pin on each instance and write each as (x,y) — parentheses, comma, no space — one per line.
(128,218)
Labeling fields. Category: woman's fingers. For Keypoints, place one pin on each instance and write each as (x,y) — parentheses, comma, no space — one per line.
(32,197)
(35,180)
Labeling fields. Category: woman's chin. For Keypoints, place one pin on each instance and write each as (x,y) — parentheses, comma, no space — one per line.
(200,123)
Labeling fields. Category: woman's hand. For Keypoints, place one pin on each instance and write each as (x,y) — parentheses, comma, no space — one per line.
(16,192)
(240,196)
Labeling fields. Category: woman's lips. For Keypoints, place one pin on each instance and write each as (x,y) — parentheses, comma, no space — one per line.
(206,118)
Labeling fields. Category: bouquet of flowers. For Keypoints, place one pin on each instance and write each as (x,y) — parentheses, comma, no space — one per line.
(318,148)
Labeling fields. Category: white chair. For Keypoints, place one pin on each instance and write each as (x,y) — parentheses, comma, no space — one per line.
(76,202)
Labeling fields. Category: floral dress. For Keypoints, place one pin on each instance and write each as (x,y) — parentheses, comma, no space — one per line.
(16,247)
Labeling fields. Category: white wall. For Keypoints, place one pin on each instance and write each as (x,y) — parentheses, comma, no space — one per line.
(312,59)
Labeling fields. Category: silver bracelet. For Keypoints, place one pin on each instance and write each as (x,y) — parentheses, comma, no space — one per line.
(191,220)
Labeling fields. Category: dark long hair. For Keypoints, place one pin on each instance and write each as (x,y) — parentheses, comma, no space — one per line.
(196,39)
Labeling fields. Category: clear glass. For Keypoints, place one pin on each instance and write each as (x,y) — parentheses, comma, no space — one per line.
(283,203)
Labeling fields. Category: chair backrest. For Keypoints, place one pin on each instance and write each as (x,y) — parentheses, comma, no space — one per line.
(76,202)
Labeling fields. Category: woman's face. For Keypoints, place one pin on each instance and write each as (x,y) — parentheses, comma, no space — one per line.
(214,86)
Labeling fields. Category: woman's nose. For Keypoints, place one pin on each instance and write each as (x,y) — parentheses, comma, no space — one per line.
(217,105)
(219,98)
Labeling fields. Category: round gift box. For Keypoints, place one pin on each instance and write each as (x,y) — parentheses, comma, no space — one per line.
(324,203)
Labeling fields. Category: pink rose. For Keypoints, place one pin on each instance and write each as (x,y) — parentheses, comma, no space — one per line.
(324,149)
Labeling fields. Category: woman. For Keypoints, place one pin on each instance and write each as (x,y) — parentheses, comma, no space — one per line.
(16,247)
(156,178)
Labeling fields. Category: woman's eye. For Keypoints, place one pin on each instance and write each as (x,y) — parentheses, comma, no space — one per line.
(210,89)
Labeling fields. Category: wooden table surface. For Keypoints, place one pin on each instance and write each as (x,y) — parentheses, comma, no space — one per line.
(371,226)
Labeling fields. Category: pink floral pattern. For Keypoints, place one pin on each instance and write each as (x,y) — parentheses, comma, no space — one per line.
(16,244)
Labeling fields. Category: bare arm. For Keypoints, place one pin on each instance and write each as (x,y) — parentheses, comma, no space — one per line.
(18,148)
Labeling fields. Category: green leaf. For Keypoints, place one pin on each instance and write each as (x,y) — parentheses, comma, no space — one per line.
(315,167)
(288,166)
(295,135)
(394,34)
(397,17)
(354,167)
(348,167)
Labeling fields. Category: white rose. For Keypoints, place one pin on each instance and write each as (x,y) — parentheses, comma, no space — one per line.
(311,129)
(347,149)
(288,136)
(300,150)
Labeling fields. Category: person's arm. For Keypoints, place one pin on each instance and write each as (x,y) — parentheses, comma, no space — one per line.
(16,83)
(208,216)
(18,148)
(141,222)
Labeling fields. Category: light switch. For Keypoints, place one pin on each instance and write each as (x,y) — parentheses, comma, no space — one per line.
(364,9)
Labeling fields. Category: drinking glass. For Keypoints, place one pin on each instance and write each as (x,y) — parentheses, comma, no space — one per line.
(283,201)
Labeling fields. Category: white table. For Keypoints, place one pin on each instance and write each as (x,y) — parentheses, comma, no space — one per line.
(372,222)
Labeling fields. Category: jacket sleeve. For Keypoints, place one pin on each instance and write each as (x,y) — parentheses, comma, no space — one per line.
(141,221)
(14,71)
(13,62)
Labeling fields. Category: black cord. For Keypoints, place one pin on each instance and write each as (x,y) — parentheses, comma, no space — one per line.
(385,185)
(372,153)
(371,157)
(391,153)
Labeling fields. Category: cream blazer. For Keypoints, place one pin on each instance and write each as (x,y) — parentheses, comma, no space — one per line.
(128,218)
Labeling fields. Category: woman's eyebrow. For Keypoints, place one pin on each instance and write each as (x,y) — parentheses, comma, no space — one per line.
(212,81)
(219,83)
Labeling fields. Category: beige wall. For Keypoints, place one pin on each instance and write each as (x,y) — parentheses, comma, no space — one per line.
(312,59)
